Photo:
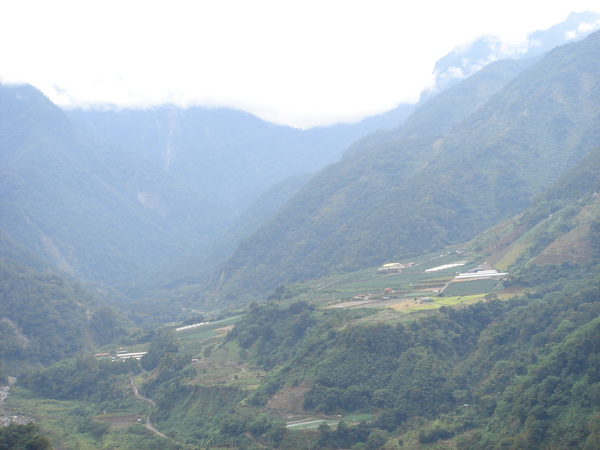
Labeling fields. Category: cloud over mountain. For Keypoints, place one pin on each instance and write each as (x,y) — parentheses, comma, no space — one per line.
(471,57)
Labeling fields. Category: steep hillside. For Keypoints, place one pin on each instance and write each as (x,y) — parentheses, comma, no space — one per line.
(557,234)
(408,192)
(91,209)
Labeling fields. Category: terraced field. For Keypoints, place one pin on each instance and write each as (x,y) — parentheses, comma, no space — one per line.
(120,419)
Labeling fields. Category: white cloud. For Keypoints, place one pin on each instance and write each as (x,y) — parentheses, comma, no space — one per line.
(582,29)
(303,63)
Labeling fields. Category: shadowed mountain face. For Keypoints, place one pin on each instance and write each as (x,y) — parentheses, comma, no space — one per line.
(410,190)
(228,156)
(94,210)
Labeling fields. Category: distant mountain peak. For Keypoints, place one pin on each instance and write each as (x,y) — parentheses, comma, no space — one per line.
(471,57)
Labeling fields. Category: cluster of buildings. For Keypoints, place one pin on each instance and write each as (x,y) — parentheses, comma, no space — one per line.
(391,268)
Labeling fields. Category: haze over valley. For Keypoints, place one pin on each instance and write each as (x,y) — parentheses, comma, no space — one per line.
(198,277)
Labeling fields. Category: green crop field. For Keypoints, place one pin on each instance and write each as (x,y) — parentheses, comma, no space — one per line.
(470,287)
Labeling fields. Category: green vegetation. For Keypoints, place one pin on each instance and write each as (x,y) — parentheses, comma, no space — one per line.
(23,436)
(80,424)
(471,287)
(95,380)
(44,318)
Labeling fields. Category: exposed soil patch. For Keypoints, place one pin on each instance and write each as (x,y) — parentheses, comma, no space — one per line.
(289,400)
(224,330)
(562,251)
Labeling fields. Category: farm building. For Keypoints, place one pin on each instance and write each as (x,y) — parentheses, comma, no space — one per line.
(123,356)
(391,268)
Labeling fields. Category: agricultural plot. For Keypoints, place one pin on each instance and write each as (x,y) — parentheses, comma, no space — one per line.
(471,287)
(120,419)
(410,310)
(313,423)
(222,366)
(193,340)
(417,280)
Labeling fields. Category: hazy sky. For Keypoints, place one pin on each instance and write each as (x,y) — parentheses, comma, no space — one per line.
(302,63)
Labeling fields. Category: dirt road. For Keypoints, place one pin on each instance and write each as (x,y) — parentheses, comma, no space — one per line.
(148,424)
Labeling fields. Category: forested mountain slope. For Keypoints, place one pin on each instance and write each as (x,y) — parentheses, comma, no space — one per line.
(521,373)
(93,210)
(394,197)
(44,318)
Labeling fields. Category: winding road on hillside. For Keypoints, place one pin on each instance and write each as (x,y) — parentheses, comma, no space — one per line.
(148,424)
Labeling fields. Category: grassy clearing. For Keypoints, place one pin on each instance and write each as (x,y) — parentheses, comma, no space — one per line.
(209,330)
(196,339)
(355,418)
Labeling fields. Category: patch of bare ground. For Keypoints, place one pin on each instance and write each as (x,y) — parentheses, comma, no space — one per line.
(288,400)
(560,251)
(509,292)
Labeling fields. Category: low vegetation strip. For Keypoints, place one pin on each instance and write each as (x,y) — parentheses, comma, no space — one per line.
(119,420)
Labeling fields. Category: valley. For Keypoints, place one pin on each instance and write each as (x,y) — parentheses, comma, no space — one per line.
(198,278)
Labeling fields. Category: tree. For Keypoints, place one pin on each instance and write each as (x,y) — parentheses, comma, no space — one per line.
(163,343)
(325,434)
(16,436)
(377,439)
